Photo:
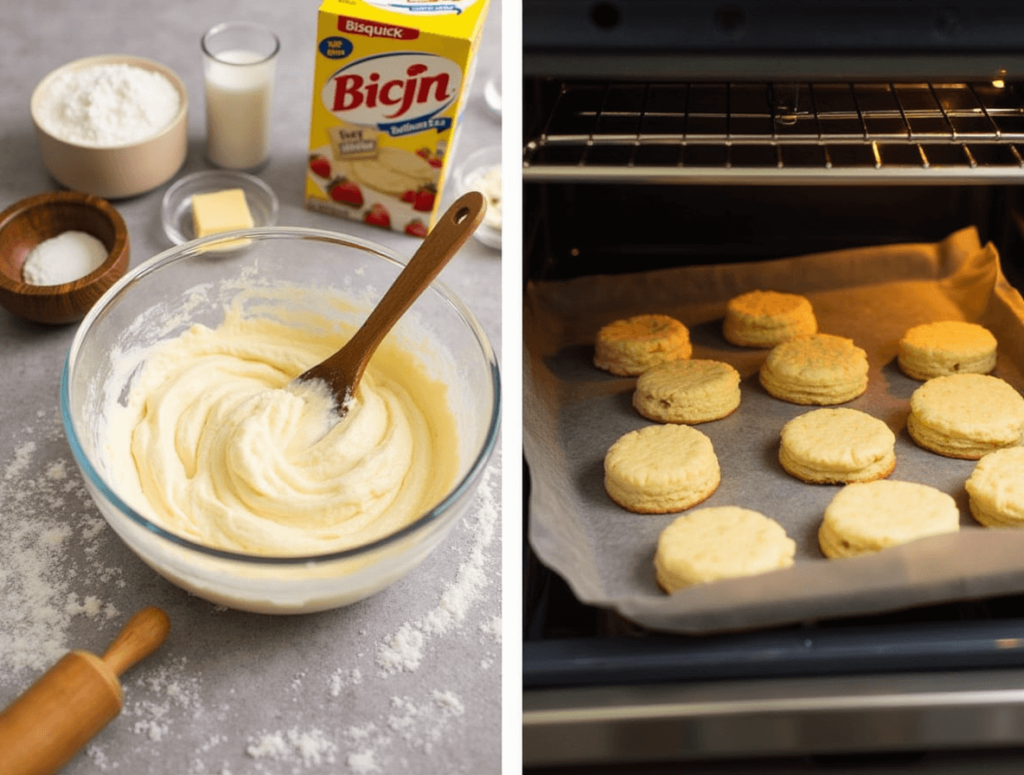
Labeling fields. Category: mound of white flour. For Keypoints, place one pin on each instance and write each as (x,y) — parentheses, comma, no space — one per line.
(107,105)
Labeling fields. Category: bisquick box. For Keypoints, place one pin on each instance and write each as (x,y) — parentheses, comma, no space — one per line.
(391,79)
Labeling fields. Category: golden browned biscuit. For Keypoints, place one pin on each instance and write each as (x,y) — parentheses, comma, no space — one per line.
(966,415)
(661,468)
(820,369)
(721,542)
(687,391)
(866,517)
(767,318)
(995,488)
(835,446)
(946,347)
(629,347)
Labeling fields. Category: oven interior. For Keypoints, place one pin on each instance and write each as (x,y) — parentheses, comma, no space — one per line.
(623,173)
(621,176)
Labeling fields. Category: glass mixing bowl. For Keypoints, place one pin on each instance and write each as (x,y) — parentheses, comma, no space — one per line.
(192,282)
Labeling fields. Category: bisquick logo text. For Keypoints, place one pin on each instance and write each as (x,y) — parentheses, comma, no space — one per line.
(388,91)
(353,91)
(367,29)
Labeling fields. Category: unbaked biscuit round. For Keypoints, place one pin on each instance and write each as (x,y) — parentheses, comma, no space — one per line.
(946,347)
(966,415)
(866,517)
(767,318)
(836,446)
(720,542)
(661,468)
(820,369)
(995,488)
(629,347)
(687,391)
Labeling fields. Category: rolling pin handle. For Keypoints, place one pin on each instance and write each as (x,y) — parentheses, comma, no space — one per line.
(55,718)
(141,636)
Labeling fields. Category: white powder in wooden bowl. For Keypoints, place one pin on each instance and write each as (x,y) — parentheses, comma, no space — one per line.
(107,105)
(63,259)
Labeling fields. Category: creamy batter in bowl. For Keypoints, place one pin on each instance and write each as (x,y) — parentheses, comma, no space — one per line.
(177,406)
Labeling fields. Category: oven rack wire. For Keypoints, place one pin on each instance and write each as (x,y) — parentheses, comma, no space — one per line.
(780,133)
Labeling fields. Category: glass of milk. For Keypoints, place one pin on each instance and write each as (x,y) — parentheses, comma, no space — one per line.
(238,68)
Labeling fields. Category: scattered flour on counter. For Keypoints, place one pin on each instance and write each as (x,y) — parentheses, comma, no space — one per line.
(50,523)
(310,747)
(403,650)
(341,678)
(362,762)
(98,756)
(160,696)
(418,723)
(422,725)
(198,767)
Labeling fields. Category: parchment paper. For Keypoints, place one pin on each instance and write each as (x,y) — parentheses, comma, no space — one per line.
(573,412)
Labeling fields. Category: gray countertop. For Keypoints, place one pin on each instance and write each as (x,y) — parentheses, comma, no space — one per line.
(407,681)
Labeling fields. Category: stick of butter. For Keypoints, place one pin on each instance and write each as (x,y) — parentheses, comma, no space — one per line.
(220,211)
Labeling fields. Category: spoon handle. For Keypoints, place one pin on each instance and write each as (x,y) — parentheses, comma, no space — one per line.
(453,228)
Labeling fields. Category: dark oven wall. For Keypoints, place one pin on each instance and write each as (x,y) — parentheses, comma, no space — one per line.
(594,228)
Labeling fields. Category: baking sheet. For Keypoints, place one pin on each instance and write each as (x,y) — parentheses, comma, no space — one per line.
(573,411)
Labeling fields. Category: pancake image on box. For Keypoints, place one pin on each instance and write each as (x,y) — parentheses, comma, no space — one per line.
(836,446)
(661,468)
(820,369)
(687,391)
(629,347)
(767,318)
(866,517)
(946,347)
(995,488)
(720,542)
(966,415)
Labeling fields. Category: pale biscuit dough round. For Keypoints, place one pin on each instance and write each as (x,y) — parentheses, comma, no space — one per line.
(821,369)
(836,446)
(661,468)
(687,391)
(966,415)
(946,347)
(720,542)
(767,318)
(866,517)
(995,488)
(629,347)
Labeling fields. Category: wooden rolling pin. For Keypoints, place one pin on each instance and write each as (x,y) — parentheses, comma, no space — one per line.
(41,730)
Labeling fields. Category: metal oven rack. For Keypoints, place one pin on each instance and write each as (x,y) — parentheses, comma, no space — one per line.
(803,133)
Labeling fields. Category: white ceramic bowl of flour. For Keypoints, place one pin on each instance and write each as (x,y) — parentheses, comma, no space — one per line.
(114,125)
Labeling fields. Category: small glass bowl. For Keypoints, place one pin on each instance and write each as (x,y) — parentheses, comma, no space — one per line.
(176,209)
(470,176)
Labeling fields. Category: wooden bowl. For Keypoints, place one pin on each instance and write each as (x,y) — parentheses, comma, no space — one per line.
(25,224)
(114,171)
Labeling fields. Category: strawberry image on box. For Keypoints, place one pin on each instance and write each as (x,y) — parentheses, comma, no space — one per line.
(391,80)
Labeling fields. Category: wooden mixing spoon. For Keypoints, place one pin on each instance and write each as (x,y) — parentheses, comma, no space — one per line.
(343,370)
